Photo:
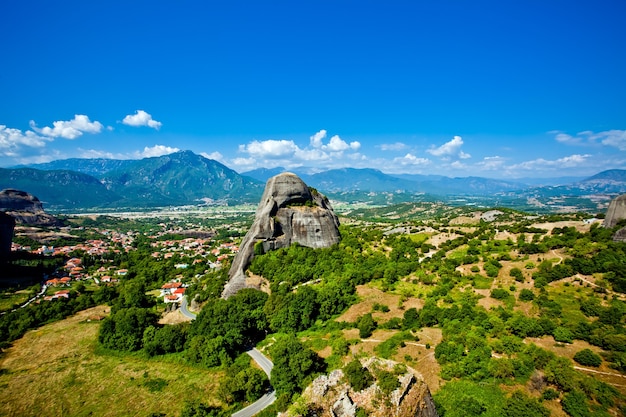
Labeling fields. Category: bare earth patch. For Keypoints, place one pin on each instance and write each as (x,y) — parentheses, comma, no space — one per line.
(370,296)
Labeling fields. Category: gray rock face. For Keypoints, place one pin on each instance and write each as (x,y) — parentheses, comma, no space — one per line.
(25,208)
(289,212)
(616,211)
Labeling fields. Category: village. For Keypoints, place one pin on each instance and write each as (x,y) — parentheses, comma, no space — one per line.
(202,254)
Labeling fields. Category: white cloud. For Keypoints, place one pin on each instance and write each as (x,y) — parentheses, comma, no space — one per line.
(312,155)
(410,159)
(316,139)
(464,155)
(571,161)
(94,153)
(285,153)
(213,155)
(69,129)
(270,148)
(141,118)
(337,144)
(491,163)
(614,138)
(156,150)
(13,139)
(398,146)
(565,138)
(447,149)
(244,163)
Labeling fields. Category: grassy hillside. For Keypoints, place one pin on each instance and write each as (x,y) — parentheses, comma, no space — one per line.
(59,370)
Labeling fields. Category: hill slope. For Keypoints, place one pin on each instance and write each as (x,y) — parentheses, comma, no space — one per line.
(180,178)
(59,189)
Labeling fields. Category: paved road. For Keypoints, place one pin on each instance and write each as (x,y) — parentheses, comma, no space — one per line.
(267,399)
(259,358)
(184,309)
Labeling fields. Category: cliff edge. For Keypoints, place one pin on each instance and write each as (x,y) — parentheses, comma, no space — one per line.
(289,212)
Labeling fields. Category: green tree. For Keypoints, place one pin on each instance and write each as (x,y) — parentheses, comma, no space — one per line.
(520,405)
(574,403)
(366,325)
(526,295)
(124,329)
(358,376)
(587,357)
(294,365)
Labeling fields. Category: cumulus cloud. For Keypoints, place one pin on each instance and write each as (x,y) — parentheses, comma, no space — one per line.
(410,159)
(451,148)
(316,139)
(157,150)
(69,129)
(614,138)
(141,118)
(13,139)
(337,144)
(213,155)
(286,153)
(270,148)
(398,146)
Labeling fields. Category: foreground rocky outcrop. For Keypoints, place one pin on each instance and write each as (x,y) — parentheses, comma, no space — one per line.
(289,212)
(25,208)
(331,395)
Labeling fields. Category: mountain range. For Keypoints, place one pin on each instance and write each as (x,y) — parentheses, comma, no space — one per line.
(185,178)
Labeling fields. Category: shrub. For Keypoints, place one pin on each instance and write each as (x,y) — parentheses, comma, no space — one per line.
(586,357)
(358,376)
(517,274)
(575,404)
(366,325)
(550,394)
(499,293)
(526,295)
(562,334)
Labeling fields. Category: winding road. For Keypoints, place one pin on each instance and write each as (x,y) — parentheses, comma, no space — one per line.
(184,309)
(267,399)
(262,360)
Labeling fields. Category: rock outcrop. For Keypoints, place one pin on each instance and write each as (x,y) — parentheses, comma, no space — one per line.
(289,212)
(25,208)
(615,213)
(332,396)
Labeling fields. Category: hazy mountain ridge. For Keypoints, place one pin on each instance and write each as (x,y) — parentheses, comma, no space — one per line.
(96,167)
(184,178)
(59,188)
(177,179)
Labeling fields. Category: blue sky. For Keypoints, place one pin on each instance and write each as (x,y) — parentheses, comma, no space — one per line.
(500,89)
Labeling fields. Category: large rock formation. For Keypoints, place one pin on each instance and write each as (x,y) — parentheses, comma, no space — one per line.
(615,213)
(289,212)
(25,208)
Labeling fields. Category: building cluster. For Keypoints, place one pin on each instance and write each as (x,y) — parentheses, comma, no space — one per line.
(198,249)
(190,251)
